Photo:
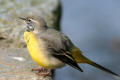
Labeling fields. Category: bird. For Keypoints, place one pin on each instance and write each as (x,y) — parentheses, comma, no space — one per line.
(52,49)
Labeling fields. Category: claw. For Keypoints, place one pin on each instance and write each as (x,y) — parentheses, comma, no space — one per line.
(42,72)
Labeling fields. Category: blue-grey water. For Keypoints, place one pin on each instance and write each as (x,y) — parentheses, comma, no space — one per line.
(94,26)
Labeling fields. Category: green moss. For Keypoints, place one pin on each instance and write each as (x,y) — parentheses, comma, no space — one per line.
(36,2)
(2,3)
(10,41)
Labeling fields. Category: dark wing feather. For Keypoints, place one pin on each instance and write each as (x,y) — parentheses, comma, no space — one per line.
(60,47)
(67,58)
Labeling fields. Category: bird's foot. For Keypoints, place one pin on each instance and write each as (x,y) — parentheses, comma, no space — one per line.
(39,69)
(42,71)
(44,74)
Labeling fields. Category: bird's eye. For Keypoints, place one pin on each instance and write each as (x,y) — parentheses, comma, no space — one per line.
(29,20)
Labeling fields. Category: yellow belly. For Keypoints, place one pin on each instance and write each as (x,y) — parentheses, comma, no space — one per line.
(38,52)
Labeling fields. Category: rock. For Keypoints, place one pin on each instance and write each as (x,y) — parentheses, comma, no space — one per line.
(12,28)
(16,64)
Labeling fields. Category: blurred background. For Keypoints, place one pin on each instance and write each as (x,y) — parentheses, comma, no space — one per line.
(94,26)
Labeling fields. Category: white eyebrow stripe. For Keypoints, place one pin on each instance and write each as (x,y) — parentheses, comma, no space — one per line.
(34,21)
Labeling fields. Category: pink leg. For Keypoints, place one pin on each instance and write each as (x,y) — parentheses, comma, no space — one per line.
(44,74)
(39,69)
(42,71)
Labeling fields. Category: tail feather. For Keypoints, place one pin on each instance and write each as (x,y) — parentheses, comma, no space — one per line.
(79,58)
(116,77)
(102,68)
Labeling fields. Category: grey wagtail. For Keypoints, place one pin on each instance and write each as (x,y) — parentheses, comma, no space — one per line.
(52,49)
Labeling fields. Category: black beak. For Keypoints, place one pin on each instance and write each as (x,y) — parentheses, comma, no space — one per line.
(23,18)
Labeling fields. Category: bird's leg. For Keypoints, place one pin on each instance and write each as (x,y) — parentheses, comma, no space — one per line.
(47,73)
(39,69)
(42,71)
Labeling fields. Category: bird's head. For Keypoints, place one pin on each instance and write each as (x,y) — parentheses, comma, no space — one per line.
(34,23)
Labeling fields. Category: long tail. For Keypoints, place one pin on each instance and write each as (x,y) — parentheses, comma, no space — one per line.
(102,68)
(77,54)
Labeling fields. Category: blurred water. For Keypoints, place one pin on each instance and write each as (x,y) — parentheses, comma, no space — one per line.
(92,25)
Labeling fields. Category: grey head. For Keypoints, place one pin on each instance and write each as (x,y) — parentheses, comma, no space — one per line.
(34,23)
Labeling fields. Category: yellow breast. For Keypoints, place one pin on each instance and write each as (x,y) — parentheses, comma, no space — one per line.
(36,49)
(38,52)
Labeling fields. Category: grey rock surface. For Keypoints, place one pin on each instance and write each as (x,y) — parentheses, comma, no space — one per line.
(16,64)
(12,28)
